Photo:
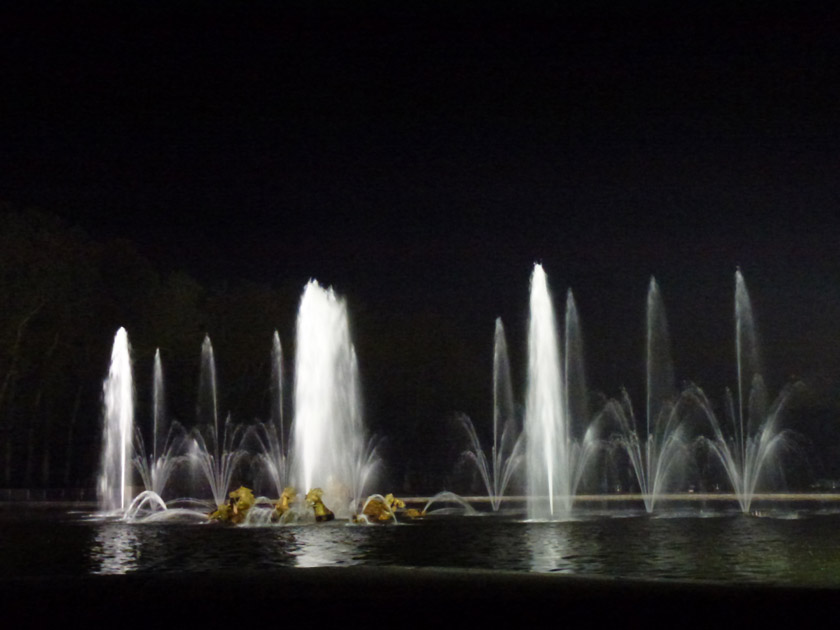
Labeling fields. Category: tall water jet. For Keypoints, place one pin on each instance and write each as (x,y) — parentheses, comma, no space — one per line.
(506,453)
(748,362)
(277,390)
(270,436)
(157,467)
(507,442)
(330,449)
(660,451)
(756,438)
(665,435)
(114,485)
(580,441)
(547,433)
(664,439)
(745,457)
(207,407)
(159,472)
(214,451)
(159,408)
(659,367)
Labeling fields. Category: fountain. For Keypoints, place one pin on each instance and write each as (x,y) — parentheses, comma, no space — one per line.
(756,441)
(666,434)
(658,456)
(506,454)
(269,436)
(215,453)
(550,452)
(114,484)
(559,443)
(457,505)
(661,458)
(737,560)
(582,438)
(157,468)
(329,446)
(679,426)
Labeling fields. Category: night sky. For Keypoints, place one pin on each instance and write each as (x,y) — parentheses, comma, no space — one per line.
(421,159)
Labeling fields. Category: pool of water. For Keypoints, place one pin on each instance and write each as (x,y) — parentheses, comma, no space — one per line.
(787,548)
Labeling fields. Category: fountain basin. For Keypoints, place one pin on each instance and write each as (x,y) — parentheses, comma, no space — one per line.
(602,565)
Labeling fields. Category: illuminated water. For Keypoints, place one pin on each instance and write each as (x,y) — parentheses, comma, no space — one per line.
(548,458)
(330,448)
(680,435)
(505,455)
(214,452)
(115,472)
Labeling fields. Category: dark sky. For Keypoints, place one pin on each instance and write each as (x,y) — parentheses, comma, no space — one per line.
(423,158)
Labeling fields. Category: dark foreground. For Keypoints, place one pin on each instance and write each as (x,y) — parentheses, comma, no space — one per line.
(394,596)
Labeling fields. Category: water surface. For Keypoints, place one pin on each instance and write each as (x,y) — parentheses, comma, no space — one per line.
(794,548)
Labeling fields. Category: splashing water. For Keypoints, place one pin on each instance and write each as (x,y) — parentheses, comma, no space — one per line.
(462,505)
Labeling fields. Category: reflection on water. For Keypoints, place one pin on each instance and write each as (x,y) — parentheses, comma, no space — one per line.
(548,544)
(728,546)
(322,546)
(115,549)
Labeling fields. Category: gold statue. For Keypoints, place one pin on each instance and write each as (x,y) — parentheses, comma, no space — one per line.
(381,511)
(284,504)
(236,508)
(315,501)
